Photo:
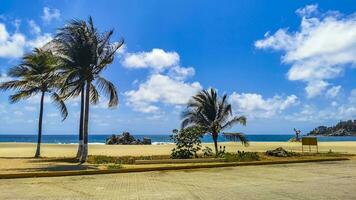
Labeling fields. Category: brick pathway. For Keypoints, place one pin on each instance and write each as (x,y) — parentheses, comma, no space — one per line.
(331,180)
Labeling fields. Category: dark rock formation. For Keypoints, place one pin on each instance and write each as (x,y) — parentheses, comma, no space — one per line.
(279,152)
(343,128)
(127,139)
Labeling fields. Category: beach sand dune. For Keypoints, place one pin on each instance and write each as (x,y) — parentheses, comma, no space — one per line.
(69,150)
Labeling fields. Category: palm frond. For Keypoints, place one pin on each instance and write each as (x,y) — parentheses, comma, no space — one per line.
(23,94)
(109,90)
(94,94)
(58,101)
(15,85)
(18,71)
(236,120)
(237,137)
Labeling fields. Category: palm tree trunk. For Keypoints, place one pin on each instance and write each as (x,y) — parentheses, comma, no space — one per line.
(86,124)
(38,150)
(81,136)
(215,139)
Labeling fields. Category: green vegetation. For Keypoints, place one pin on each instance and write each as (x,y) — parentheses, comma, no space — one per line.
(212,114)
(68,66)
(145,158)
(207,152)
(343,128)
(188,142)
(241,156)
(85,53)
(104,160)
(37,74)
(101,159)
(114,166)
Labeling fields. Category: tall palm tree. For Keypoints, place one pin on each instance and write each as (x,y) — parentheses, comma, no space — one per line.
(85,53)
(36,75)
(213,114)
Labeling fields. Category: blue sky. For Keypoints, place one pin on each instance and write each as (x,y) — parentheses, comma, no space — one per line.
(284,64)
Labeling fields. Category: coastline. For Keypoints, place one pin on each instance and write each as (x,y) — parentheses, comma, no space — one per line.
(16,149)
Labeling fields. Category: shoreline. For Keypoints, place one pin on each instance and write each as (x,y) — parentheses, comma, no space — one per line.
(169,143)
(158,139)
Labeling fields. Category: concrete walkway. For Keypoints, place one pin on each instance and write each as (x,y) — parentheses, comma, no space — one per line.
(329,180)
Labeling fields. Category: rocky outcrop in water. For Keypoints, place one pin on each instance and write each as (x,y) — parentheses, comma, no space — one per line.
(127,139)
(343,128)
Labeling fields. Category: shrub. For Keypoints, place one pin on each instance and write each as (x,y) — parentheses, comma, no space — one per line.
(208,152)
(188,142)
(103,160)
(114,166)
(241,156)
(145,158)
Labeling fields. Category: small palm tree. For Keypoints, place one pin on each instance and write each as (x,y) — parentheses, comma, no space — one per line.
(36,75)
(213,114)
(85,53)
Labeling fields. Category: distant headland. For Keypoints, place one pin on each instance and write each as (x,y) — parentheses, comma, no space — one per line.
(343,128)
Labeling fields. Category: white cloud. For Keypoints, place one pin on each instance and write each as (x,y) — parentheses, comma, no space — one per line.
(157,59)
(255,106)
(352,97)
(40,41)
(333,91)
(334,103)
(315,88)
(17,23)
(30,108)
(52,115)
(4,78)
(103,103)
(311,113)
(50,14)
(14,45)
(36,99)
(160,88)
(3,109)
(337,111)
(165,84)
(308,10)
(75,101)
(181,73)
(18,113)
(321,50)
(34,28)
(122,50)
(11,45)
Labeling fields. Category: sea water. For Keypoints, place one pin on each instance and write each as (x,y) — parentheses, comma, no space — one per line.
(156,139)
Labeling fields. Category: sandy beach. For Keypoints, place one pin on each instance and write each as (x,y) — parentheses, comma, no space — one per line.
(69,150)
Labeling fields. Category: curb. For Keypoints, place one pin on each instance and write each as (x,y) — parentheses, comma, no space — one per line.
(179,161)
(165,168)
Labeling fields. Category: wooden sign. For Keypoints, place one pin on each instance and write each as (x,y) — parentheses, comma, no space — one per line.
(310,141)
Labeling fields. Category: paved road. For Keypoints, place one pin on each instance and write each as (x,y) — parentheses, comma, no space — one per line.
(329,180)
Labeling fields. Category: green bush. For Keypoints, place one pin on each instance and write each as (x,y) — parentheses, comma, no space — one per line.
(207,152)
(241,156)
(188,142)
(114,166)
(145,158)
(104,160)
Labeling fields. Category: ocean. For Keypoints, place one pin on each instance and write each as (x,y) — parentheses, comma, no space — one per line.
(156,139)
